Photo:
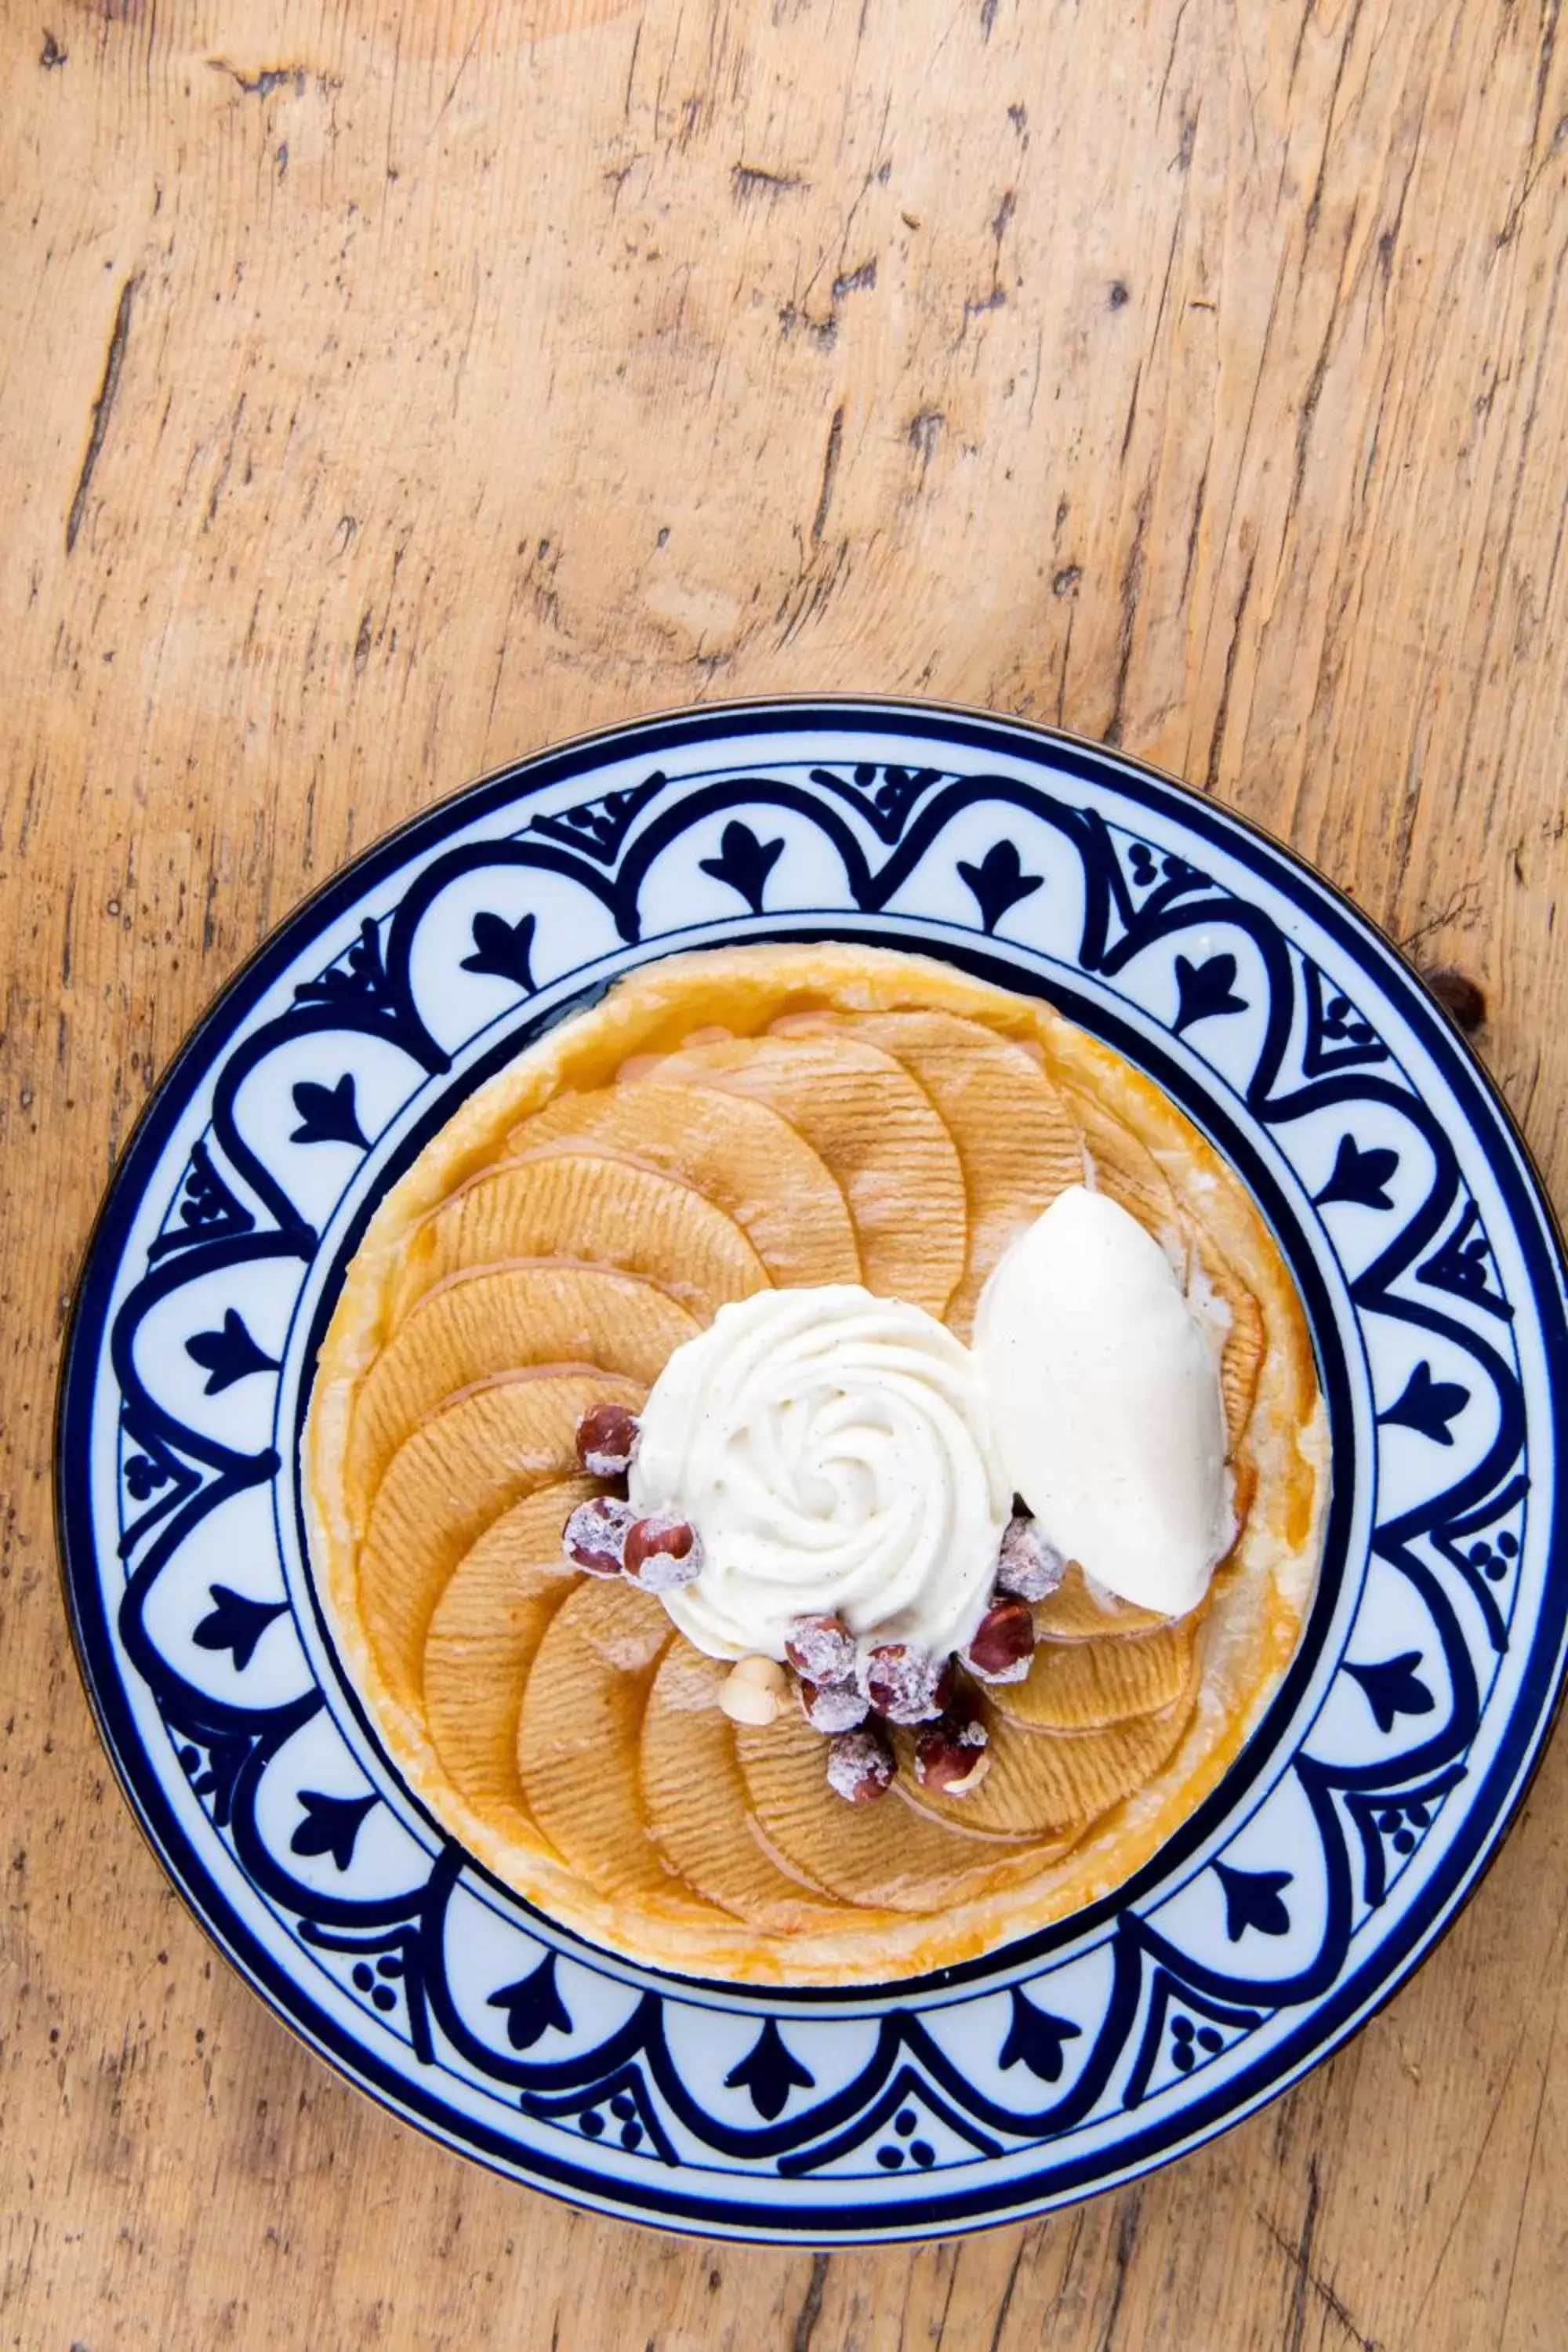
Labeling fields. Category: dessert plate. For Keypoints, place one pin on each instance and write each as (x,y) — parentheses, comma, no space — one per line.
(1354,1824)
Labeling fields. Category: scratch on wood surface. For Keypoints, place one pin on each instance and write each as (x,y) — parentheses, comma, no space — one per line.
(1315,204)
(1533,170)
(829,473)
(463,65)
(855,281)
(102,407)
(1131,411)
(1541,2095)
(1299,2254)
(266,78)
(1314,390)
(1222,711)
(976,306)
(1192,529)
(925,429)
(216,500)
(811,2309)
(1006,2305)
(1132,588)
(1121,2263)
(1302,2257)
(748,180)
(1463,908)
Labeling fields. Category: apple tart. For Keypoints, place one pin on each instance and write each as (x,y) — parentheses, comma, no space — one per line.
(877,1127)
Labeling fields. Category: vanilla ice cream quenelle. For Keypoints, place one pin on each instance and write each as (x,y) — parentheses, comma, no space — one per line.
(1106,1392)
(845,1454)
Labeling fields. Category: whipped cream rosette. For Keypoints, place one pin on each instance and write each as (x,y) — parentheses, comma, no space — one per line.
(836,1455)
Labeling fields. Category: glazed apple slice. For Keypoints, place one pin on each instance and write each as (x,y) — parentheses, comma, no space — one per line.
(577,1745)
(593,1208)
(495,1319)
(879,1133)
(1017,1143)
(1039,1784)
(1084,1686)
(884,1856)
(487,1625)
(699,1809)
(738,1153)
(1074,1612)
(459,1470)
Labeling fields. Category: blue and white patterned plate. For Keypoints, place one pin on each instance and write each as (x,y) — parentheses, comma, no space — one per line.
(1359,1817)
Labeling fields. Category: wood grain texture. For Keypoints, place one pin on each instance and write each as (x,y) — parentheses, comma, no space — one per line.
(388,389)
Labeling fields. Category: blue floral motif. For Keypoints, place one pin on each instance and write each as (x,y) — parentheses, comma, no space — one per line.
(1254,1899)
(330,1825)
(770,2071)
(228,1354)
(1102,2022)
(327,1113)
(235,1623)
(1206,990)
(1036,2040)
(1359,1176)
(600,827)
(1393,1687)
(744,862)
(504,949)
(1427,1405)
(533,2006)
(998,882)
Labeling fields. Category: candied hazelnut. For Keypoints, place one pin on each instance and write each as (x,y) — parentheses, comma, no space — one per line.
(662,1552)
(900,1680)
(1028,1566)
(859,1765)
(594,1536)
(1003,1647)
(952,1755)
(822,1649)
(606,1440)
(833,1706)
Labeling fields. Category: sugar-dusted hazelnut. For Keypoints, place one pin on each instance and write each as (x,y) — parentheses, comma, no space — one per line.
(1027,1566)
(900,1680)
(1003,1647)
(859,1765)
(594,1536)
(952,1755)
(833,1706)
(662,1552)
(821,1649)
(606,1440)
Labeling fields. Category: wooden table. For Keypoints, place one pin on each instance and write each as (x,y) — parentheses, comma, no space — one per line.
(389,389)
